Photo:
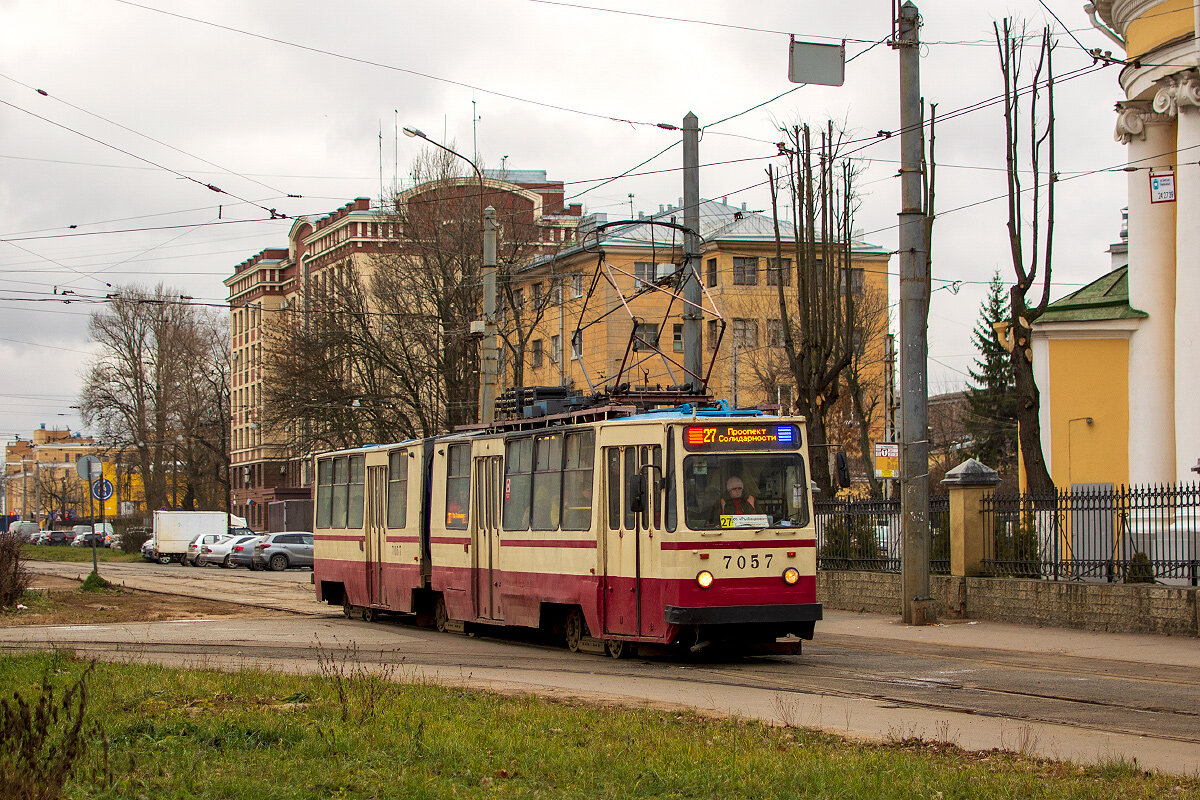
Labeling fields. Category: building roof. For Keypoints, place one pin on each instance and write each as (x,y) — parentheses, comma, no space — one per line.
(718,222)
(1106,298)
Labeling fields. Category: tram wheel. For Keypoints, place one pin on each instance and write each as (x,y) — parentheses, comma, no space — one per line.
(576,629)
(440,617)
(618,648)
(369,614)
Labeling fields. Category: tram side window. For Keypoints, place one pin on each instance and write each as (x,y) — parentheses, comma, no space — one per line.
(614,489)
(518,466)
(547,481)
(397,489)
(671,479)
(458,486)
(341,489)
(355,493)
(579,455)
(324,492)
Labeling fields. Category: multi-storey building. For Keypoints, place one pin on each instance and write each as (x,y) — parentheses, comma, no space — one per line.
(40,480)
(280,280)
(622,317)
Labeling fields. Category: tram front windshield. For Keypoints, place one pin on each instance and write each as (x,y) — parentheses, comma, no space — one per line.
(745,491)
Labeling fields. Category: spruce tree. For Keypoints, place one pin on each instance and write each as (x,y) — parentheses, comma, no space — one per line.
(991,414)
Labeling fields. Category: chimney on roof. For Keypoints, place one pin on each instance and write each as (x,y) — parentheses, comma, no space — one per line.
(362,203)
(725,200)
(662,209)
(743,205)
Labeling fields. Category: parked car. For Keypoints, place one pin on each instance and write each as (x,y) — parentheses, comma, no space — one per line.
(79,529)
(196,547)
(148,551)
(242,554)
(281,551)
(86,539)
(40,537)
(59,537)
(220,552)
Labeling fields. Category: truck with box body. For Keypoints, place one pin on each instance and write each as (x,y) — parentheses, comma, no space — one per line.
(174,530)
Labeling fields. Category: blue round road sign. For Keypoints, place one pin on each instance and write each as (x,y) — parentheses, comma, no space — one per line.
(102,489)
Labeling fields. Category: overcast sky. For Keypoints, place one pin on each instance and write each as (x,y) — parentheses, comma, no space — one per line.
(269,99)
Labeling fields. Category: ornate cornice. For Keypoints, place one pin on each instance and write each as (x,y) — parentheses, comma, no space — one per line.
(1178,92)
(1132,118)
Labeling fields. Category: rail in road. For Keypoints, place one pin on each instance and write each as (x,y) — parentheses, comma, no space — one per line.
(1051,703)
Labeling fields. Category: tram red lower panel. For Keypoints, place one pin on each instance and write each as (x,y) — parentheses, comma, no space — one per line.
(610,605)
(399,581)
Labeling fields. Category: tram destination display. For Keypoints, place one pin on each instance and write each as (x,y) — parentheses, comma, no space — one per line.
(708,438)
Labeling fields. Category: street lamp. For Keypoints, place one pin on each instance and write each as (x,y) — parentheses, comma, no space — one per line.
(490,355)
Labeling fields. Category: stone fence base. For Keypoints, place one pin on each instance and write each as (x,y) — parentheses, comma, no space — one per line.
(1117,608)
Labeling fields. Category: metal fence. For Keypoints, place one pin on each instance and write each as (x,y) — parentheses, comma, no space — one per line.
(1096,532)
(865,535)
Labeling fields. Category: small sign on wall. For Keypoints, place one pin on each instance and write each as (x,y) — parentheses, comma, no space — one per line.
(1162,187)
(887,460)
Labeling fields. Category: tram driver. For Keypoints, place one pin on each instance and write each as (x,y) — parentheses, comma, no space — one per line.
(734,501)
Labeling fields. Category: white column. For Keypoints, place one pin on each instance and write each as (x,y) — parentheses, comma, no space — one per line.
(1187,282)
(1151,136)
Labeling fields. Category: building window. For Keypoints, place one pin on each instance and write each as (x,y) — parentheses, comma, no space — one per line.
(643,272)
(555,349)
(783,396)
(577,345)
(713,334)
(677,338)
(857,277)
(712,272)
(645,336)
(518,299)
(774,333)
(537,294)
(783,269)
(535,353)
(577,285)
(745,333)
(745,271)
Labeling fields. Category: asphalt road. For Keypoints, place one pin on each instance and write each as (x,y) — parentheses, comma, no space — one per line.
(1062,694)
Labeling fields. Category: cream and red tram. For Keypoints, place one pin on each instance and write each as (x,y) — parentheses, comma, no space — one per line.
(611,527)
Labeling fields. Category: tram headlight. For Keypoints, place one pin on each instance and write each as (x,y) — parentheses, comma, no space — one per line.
(791,576)
(705,579)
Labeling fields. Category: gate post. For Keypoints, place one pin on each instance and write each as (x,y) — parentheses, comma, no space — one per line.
(967,484)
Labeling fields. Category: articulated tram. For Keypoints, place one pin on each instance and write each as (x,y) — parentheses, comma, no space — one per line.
(679,527)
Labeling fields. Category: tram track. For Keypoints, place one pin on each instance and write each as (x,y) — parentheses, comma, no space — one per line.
(1096,703)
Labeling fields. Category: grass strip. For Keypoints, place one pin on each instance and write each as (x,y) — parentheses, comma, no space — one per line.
(348,733)
(61,552)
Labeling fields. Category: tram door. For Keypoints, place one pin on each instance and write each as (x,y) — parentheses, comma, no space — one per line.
(375,533)
(486,537)
(630,539)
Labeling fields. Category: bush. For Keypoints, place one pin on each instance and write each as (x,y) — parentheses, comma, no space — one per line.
(94,583)
(1140,569)
(851,542)
(14,578)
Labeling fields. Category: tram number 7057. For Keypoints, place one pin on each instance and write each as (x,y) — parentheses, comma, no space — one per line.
(753,561)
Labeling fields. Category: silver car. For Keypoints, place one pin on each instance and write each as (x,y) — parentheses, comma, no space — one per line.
(281,551)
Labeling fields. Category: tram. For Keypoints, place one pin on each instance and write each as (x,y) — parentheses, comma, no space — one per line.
(682,527)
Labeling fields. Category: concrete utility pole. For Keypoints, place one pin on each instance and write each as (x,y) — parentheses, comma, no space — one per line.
(693,316)
(917,605)
(490,357)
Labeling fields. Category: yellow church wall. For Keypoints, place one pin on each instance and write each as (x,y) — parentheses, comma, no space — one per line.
(1089,378)
(1158,25)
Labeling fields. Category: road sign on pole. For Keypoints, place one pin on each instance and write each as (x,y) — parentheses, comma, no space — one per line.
(87,467)
(102,489)
(823,64)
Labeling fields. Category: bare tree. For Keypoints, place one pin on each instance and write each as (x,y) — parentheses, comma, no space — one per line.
(818,320)
(864,378)
(134,390)
(60,491)
(202,443)
(1026,211)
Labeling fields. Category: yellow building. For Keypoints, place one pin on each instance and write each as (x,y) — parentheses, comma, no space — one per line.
(40,480)
(1137,377)
(740,291)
